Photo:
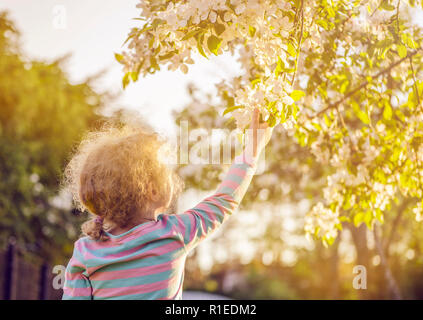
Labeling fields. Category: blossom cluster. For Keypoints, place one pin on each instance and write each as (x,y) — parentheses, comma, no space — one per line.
(262,32)
(299,58)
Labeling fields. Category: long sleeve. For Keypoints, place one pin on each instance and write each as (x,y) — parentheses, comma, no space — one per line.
(202,220)
(77,285)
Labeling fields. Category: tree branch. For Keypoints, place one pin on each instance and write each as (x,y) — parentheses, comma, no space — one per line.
(416,89)
(365,83)
(395,224)
(392,283)
(297,58)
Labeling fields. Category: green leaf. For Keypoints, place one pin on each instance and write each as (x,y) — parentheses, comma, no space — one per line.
(402,51)
(323,24)
(119,58)
(200,46)
(213,44)
(329,241)
(219,28)
(344,86)
(363,116)
(331,12)
(157,22)
(297,95)
(252,31)
(384,51)
(317,126)
(167,56)
(280,66)
(386,6)
(379,215)
(126,80)
(408,40)
(271,121)
(387,112)
(134,76)
(291,50)
(230,109)
(368,219)
(255,81)
(358,219)
(191,34)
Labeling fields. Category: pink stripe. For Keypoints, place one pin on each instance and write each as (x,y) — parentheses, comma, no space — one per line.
(75,275)
(229,183)
(121,254)
(89,255)
(228,199)
(181,225)
(193,226)
(176,295)
(139,289)
(237,172)
(132,273)
(77,292)
(124,253)
(203,206)
(72,276)
(79,246)
(76,263)
(154,252)
(210,214)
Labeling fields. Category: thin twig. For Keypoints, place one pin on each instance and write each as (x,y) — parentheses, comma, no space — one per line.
(416,89)
(397,17)
(342,119)
(299,42)
(377,8)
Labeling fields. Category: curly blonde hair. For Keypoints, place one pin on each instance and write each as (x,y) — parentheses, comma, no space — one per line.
(116,174)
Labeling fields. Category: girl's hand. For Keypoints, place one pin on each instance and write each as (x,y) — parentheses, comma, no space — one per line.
(261,133)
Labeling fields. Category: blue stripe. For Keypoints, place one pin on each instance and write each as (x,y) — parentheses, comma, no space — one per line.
(144,262)
(135,281)
(65,297)
(227,190)
(148,247)
(187,222)
(78,283)
(164,293)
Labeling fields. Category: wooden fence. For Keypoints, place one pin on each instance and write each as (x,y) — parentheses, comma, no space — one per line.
(23,277)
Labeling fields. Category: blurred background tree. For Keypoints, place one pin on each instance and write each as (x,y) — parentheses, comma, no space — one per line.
(42,116)
(276,261)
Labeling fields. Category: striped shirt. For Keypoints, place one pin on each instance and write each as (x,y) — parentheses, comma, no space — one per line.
(148,261)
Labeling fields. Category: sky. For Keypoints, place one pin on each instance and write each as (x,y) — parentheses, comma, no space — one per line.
(92,31)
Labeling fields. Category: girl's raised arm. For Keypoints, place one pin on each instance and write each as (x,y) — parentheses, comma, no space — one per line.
(199,222)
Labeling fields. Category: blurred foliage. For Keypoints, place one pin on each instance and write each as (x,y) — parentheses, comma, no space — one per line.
(292,176)
(344,77)
(42,116)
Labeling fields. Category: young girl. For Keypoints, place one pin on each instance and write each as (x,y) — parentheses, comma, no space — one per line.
(131,249)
